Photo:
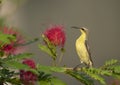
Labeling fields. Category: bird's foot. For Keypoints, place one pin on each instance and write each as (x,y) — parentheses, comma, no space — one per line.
(76,67)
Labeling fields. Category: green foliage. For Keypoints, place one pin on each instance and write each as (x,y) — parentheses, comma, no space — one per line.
(7,76)
(6,39)
(18,57)
(43,76)
(110,62)
(48,48)
(13,61)
(51,50)
(94,73)
(83,78)
(88,75)
(50,69)
(16,65)
(48,79)
(53,81)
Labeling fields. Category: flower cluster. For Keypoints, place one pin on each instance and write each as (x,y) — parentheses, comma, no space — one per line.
(15,47)
(56,35)
(27,77)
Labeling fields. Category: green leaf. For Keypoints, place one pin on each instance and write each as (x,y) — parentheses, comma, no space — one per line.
(111,62)
(56,81)
(18,57)
(45,49)
(95,76)
(44,76)
(83,78)
(14,81)
(16,65)
(5,38)
(100,71)
(115,68)
(44,83)
(50,68)
(50,46)
(106,72)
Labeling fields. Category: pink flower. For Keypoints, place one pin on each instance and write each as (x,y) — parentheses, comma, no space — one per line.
(56,35)
(14,47)
(27,77)
(30,63)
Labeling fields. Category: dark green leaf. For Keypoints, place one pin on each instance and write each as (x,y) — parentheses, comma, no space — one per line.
(83,78)
(44,76)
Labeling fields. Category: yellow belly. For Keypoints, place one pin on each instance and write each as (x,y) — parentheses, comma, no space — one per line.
(82,52)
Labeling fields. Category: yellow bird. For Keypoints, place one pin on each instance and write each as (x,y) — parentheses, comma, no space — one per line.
(82,47)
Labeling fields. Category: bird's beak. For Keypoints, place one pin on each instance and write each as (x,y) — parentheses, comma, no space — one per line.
(75,27)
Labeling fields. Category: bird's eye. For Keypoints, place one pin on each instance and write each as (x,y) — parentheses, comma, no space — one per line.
(82,29)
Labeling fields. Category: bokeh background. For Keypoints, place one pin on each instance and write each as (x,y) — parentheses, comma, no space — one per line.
(101,17)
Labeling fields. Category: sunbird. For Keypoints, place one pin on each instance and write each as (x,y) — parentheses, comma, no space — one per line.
(82,47)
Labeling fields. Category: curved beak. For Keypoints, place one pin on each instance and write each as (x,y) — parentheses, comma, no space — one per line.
(75,27)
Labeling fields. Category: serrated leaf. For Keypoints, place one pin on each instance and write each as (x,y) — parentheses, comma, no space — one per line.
(81,77)
(111,62)
(95,76)
(51,68)
(115,68)
(99,71)
(106,72)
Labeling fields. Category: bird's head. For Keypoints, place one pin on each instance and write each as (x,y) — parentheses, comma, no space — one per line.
(82,29)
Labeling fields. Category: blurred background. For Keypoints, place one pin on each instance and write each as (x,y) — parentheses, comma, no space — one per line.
(101,17)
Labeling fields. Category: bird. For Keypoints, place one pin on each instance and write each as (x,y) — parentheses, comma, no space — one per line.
(82,47)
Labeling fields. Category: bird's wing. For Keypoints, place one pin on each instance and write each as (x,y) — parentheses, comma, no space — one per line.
(87,47)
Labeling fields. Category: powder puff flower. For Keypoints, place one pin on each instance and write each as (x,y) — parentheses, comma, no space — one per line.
(15,46)
(56,35)
(27,77)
